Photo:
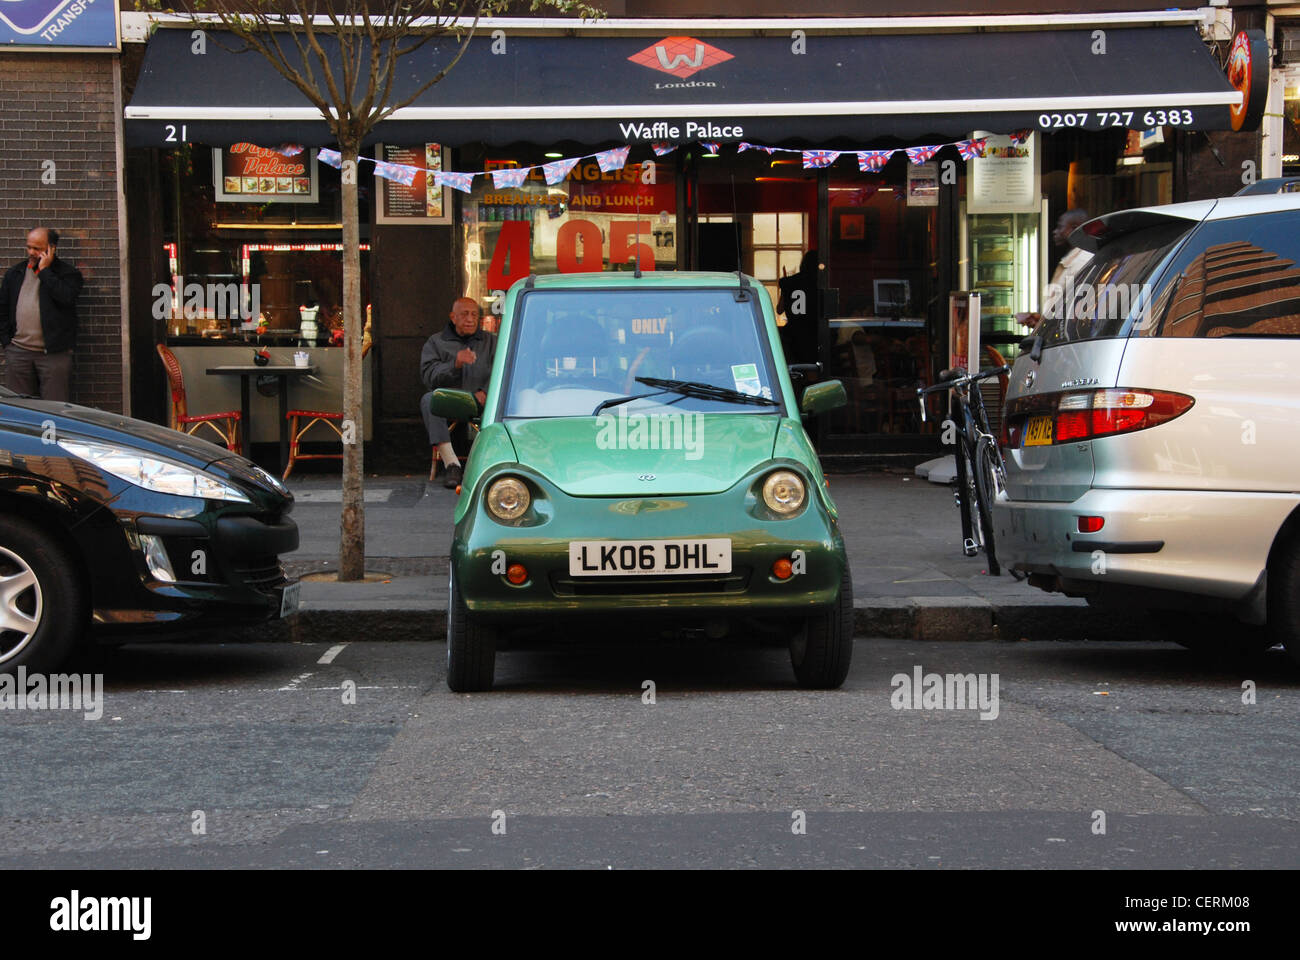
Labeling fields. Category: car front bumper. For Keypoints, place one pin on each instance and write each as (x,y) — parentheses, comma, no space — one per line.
(1211,543)
(227,569)
(750,590)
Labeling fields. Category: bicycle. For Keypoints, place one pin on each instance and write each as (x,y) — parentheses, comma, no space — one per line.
(981,474)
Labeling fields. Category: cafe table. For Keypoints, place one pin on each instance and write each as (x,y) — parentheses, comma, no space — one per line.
(282,372)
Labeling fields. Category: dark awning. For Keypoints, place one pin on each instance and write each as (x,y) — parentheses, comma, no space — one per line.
(843,91)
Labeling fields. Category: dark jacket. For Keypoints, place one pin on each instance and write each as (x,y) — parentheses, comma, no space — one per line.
(438,360)
(60,287)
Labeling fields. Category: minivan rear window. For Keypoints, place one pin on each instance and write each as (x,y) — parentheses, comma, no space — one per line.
(1237,277)
(1114,287)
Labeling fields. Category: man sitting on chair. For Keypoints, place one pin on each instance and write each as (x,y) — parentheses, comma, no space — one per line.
(459,357)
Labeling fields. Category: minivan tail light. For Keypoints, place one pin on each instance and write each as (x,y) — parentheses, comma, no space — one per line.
(1087,414)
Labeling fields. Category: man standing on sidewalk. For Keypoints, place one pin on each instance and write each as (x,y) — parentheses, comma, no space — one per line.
(460,357)
(38,319)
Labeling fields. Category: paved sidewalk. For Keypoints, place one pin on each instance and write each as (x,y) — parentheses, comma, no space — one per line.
(903,535)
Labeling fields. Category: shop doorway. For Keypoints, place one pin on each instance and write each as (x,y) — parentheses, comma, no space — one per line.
(886,287)
(759,211)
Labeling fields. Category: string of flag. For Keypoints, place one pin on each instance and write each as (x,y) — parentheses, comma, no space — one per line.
(555,171)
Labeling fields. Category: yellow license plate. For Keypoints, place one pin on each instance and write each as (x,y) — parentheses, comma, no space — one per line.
(1039,432)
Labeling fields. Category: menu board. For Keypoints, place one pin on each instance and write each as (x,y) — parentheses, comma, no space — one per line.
(1005,179)
(247,173)
(423,202)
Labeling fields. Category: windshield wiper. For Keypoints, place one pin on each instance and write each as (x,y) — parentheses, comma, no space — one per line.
(615,401)
(707,391)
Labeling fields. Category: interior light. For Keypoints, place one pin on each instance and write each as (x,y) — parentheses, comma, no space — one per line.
(553,155)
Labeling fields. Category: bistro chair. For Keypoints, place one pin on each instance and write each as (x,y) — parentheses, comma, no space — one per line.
(330,418)
(225,424)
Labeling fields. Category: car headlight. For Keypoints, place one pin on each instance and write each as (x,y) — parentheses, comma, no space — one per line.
(508,498)
(153,472)
(784,492)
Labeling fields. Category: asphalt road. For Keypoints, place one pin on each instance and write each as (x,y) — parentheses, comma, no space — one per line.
(565,765)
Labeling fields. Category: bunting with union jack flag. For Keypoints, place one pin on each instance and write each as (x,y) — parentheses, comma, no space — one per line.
(813,159)
(873,161)
(400,172)
(922,154)
(508,177)
(464,182)
(615,159)
(970,149)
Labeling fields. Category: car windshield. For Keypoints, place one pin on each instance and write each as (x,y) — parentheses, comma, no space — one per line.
(575,349)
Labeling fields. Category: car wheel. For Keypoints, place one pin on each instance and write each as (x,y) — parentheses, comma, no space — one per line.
(471,647)
(43,602)
(1284,598)
(821,650)
(1212,634)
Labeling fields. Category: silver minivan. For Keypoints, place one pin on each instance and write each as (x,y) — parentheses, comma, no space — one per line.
(1152,431)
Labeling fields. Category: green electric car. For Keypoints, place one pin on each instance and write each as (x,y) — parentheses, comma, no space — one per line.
(641,464)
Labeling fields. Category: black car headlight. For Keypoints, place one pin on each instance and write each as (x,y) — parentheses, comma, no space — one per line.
(153,472)
(784,492)
(508,498)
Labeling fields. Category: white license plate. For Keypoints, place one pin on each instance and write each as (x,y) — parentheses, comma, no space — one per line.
(289,600)
(624,558)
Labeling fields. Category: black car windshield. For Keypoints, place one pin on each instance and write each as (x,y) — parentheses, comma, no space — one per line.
(574,349)
(1113,288)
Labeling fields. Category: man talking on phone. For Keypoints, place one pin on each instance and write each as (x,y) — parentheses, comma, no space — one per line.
(38,319)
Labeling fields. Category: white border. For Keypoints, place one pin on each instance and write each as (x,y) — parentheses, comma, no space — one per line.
(135,26)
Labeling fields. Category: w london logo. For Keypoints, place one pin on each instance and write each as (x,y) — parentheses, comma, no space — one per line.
(681,56)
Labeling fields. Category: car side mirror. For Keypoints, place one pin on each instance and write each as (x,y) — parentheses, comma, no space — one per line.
(823,398)
(453,404)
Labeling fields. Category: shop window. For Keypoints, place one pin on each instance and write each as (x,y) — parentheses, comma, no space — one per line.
(254,235)
(591,222)
(778,245)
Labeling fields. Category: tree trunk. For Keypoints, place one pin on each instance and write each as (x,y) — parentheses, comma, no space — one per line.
(352,522)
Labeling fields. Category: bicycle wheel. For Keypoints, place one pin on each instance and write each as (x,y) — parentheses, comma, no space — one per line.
(989,480)
(968,499)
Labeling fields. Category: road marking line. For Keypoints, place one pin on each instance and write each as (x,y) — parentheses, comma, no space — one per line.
(331,653)
(293,684)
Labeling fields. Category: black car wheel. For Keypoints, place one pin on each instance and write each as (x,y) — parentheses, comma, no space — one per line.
(43,602)
(822,649)
(471,647)
(1284,596)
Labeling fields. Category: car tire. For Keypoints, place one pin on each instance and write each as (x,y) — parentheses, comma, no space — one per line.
(44,603)
(1284,597)
(822,649)
(1213,634)
(471,647)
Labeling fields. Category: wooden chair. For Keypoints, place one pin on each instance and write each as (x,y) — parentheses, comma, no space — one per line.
(225,424)
(330,418)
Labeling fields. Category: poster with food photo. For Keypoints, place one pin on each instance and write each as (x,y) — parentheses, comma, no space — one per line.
(247,173)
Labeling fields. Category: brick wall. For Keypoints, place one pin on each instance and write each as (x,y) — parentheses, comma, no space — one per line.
(59,107)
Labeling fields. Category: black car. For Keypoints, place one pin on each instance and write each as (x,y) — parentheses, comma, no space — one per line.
(113,527)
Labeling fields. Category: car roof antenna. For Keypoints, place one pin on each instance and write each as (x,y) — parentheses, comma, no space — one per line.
(741,295)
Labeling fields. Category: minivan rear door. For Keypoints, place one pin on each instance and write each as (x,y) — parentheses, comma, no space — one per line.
(1083,342)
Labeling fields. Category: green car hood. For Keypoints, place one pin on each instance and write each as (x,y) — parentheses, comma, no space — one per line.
(609,455)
